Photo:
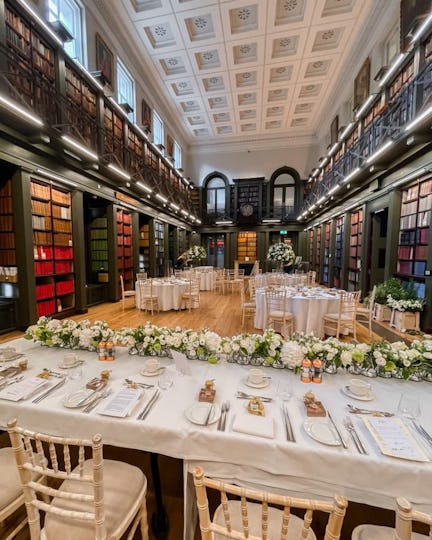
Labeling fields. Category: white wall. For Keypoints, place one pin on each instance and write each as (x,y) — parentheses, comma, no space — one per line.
(249,163)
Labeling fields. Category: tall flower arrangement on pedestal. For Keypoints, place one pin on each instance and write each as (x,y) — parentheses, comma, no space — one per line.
(197,253)
(281,253)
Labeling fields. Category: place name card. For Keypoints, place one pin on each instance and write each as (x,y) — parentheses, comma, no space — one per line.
(394,438)
(122,403)
(23,389)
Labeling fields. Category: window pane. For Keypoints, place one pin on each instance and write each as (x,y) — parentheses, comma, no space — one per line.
(125,88)
(69,13)
(289,196)
(278,196)
(177,155)
(158,131)
(284,179)
(220,199)
(216,183)
(211,200)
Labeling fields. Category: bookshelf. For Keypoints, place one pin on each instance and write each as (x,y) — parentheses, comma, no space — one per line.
(414,235)
(28,52)
(114,133)
(326,264)
(311,245)
(81,109)
(248,194)
(355,251)
(52,249)
(317,262)
(135,151)
(340,225)
(144,248)
(247,247)
(159,240)
(124,247)
(8,265)
(99,247)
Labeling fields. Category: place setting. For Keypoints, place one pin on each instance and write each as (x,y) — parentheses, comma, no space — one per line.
(204,411)
(319,424)
(85,396)
(152,368)
(358,389)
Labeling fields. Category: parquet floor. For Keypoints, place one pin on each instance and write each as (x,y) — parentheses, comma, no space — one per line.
(219,313)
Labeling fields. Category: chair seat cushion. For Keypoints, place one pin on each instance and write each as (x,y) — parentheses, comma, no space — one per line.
(123,484)
(249,305)
(375,532)
(10,484)
(335,317)
(255,529)
(280,315)
(129,293)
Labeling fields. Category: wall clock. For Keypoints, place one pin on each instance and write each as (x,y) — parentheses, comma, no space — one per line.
(246,210)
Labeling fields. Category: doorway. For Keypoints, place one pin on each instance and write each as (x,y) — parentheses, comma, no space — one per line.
(377,248)
(216,250)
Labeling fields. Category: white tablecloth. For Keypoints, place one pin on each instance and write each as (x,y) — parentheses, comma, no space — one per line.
(308,311)
(206,279)
(302,467)
(169,294)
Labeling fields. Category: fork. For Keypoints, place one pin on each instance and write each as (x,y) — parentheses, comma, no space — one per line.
(354,435)
(243,395)
(104,394)
(142,385)
(227,408)
(357,410)
(223,410)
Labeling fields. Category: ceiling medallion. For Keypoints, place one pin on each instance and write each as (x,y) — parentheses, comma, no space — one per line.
(160,31)
(246,75)
(329,34)
(200,22)
(218,100)
(318,64)
(281,70)
(172,61)
(245,49)
(244,14)
(182,85)
(289,5)
(214,80)
(208,56)
(190,103)
(285,42)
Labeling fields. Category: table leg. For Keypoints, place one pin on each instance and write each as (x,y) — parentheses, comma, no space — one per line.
(159,520)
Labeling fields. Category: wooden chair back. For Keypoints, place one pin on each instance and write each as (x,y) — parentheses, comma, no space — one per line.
(254,501)
(275,301)
(39,454)
(406,516)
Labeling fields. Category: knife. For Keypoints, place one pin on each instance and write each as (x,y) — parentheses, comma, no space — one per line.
(420,429)
(48,392)
(209,415)
(149,405)
(344,444)
(97,400)
(288,425)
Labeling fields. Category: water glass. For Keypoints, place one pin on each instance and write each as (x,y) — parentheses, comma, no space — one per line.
(284,390)
(75,373)
(409,407)
(166,380)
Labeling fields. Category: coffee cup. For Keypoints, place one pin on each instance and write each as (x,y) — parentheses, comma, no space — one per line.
(358,387)
(256,376)
(9,352)
(70,359)
(152,365)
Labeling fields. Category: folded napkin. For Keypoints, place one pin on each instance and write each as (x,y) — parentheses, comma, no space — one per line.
(260,426)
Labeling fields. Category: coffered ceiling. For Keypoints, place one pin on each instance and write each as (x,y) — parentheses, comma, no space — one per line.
(235,69)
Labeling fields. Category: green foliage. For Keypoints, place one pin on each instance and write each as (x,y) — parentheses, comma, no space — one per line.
(391,287)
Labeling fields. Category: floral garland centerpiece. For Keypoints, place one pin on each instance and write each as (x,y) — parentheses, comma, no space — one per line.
(281,254)
(408,304)
(197,253)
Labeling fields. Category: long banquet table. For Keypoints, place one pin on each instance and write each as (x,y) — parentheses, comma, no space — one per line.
(303,467)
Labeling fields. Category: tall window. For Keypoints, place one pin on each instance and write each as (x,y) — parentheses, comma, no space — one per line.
(70,14)
(216,190)
(158,129)
(283,195)
(125,88)
(177,155)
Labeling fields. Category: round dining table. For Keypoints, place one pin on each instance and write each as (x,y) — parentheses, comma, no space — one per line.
(308,307)
(169,293)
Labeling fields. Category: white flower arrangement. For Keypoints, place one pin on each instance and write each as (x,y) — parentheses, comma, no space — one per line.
(197,253)
(149,339)
(404,305)
(281,253)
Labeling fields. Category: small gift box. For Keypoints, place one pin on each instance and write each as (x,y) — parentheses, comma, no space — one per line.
(208,392)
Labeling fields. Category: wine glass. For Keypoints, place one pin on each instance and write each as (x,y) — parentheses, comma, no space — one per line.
(284,390)
(166,380)
(409,407)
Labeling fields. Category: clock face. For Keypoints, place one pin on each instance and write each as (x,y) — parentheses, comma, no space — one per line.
(246,210)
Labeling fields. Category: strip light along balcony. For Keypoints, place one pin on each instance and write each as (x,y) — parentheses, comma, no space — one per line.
(422,28)
(52,176)
(118,108)
(419,118)
(175,206)
(334,189)
(379,152)
(351,175)
(365,105)
(79,147)
(392,69)
(226,222)
(21,112)
(144,187)
(119,171)
(346,131)
(271,220)
(161,198)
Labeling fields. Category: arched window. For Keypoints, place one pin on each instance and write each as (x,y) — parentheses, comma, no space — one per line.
(216,192)
(284,192)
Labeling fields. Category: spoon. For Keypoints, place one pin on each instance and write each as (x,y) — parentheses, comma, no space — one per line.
(223,410)
(357,410)
(227,408)
(142,385)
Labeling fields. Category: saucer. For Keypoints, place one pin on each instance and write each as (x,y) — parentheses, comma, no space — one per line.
(263,384)
(145,373)
(69,366)
(197,413)
(367,397)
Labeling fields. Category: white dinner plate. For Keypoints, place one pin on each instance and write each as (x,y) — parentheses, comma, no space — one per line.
(12,357)
(77,399)
(367,397)
(320,430)
(145,373)
(263,384)
(197,413)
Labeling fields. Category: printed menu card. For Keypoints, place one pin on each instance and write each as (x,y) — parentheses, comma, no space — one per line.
(394,438)
(122,403)
(23,389)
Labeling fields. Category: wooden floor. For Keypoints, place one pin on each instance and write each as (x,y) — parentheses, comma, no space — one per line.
(219,313)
